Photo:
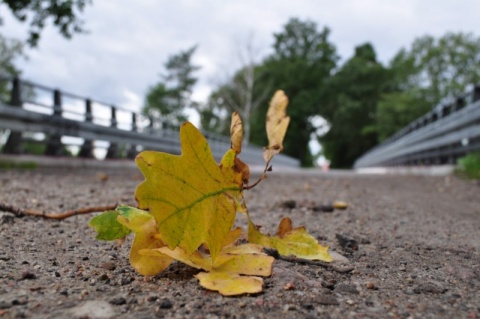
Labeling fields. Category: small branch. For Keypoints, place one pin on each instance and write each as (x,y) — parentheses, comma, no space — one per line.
(262,177)
(267,168)
(274,253)
(31,212)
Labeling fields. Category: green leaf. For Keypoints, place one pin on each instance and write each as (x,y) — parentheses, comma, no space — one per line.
(107,226)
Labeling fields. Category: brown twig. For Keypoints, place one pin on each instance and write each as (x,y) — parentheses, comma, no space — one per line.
(274,253)
(267,168)
(31,212)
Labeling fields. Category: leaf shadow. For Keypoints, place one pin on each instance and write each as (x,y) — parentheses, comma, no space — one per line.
(178,271)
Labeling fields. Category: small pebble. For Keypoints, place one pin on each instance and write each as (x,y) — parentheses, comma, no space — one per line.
(103,277)
(290,203)
(20,301)
(166,304)
(118,301)
(308,306)
(152,298)
(288,307)
(108,265)
(289,286)
(27,275)
(126,281)
(371,285)
(323,208)
(347,243)
(339,205)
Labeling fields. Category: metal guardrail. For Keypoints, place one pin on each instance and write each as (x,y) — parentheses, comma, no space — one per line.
(38,109)
(446,133)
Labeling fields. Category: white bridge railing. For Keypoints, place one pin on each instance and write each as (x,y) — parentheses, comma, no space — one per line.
(441,136)
(34,108)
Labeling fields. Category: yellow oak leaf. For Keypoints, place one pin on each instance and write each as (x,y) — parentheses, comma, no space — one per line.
(246,259)
(229,284)
(290,241)
(232,236)
(193,199)
(225,272)
(146,237)
(276,125)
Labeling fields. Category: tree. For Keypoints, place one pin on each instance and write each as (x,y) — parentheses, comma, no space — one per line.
(213,116)
(441,68)
(302,61)
(237,93)
(10,50)
(354,93)
(431,71)
(64,13)
(168,99)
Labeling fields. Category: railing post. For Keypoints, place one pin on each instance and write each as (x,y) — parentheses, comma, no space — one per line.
(132,152)
(113,148)
(54,144)
(476,93)
(14,141)
(87,148)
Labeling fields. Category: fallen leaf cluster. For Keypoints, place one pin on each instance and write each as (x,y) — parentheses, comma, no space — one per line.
(187,207)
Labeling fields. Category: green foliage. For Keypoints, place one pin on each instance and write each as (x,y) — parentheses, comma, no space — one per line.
(302,61)
(435,69)
(169,98)
(10,50)
(369,102)
(354,92)
(34,147)
(64,14)
(421,77)
(469,166)
(7,164)
(213,115)
(107,226)
(397,109)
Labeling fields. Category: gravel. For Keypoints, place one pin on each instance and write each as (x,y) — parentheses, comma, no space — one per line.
(415,254)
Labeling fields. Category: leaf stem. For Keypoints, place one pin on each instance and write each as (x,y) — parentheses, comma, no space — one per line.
(262,177)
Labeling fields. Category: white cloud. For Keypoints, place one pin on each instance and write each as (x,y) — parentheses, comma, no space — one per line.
(128,42)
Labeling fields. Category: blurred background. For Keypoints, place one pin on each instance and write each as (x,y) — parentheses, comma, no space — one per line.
(356,72)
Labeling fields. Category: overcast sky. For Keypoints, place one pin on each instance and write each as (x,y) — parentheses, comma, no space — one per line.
(129,41)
